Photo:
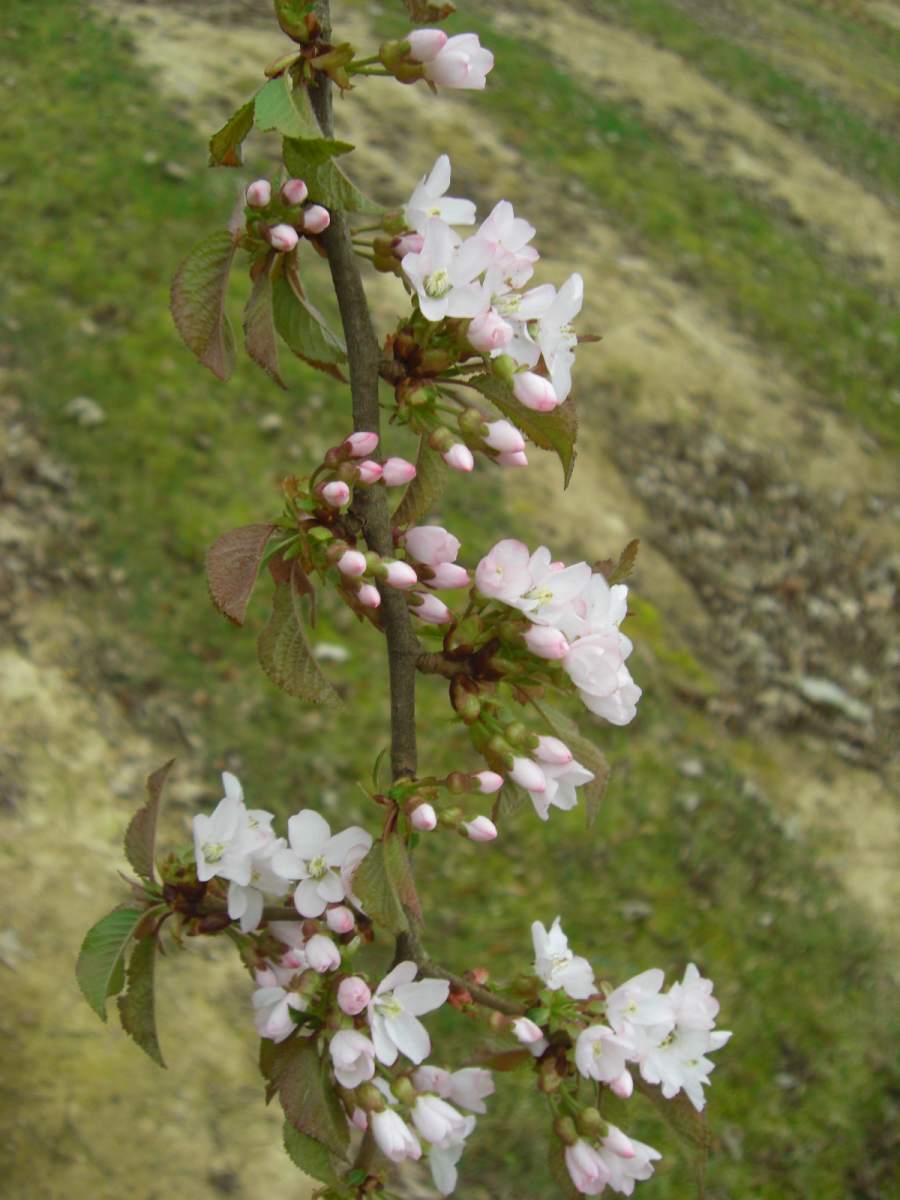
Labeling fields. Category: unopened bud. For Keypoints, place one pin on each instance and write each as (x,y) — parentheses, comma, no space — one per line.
(316,219)
(591,1123)
(361,444)
(282,238)
(488,332)
(534,391)
(340,919)
(430,609)
(482,829)
(552,750)
(404,1091)
(410,243)
(323,954)
(448,575)
(564,1128)
(623,1085)
(504,367)
(527,1031)
(369,472)
(294,191)
(397,471)
(459,457)
(426,44)
(353,995)
(352,564)
(259,193)
(336,493)
(424,818)
(546,642)
(517,458)
(527,774)
(504,437)
(400,575)
(369,596)
(618,1142)
(488,782)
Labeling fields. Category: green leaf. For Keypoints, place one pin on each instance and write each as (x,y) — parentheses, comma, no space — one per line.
(140,836)
(627,559)
(276,109)
(556,430)
(136,1008)
(688,1125)
(316,151)
(99,969)
(198,302)
(326,181)
(375,886)
(259,326)
(399,872)
(285,655)
(305,330)
(225,146)
(309,1155)
(510,799)
(232,567)
(424,490)
(302,1083)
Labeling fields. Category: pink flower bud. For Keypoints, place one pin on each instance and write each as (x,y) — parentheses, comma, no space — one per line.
(353,995)
(283,238)
(397,471)
(424,44)
(528,774)
(316,219)
(424,818)
(259,193)
(459,457)
(360,1119)
(552,750)
(623,1086)
(449,575)
(400,575)
(340,919)
(361,445)
(488,332)
(352,563)
(517,458)
(369,596)
(619,1143)
(432,611)
(410,243)
(503,436)
(322,953)
(335,493)
(294,191)
(482,829)
(370,472)
(526,1031)
(431,544)
(546,642)
(534,391)
(488,782)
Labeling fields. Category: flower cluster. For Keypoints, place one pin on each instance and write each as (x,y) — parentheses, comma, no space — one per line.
(451,62)
(283,219)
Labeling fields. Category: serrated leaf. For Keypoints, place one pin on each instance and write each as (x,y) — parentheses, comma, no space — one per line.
(315,151)
(305,330)
(137,1010)
(232,567)
(689,1126)
(556,430)
(377,893)
(198,302)
(510,799)
(285,654)
(627,559)
(399,872)
(99,969)
(424,490)
(302,1083)
(140,836)
(326,181)
(259,325)
(225,146)
(310,1156)
(276,109)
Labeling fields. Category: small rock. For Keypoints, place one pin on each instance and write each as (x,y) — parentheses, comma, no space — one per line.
(331,652)
(635,910)
(829,694)
(85,411)
(690,801)
(692,768)
(52,474)
(177,171)
(270,423)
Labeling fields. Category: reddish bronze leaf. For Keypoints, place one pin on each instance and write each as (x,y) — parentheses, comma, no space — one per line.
(140,836)
(232,565)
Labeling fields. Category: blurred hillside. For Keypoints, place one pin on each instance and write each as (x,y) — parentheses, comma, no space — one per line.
(725,176)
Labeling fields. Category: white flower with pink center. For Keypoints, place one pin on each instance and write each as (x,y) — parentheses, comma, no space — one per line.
(316,859)
(462,62)
(505,573)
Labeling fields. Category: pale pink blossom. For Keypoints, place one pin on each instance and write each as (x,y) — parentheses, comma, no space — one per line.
(677,1061)
(352,1056)
(352,564)
(467,1088)
(394,1010)
(527,1031)
(431,545)
(504,573)
(560,784)
(553,591)
(294,191)
(593,663)
(316,219)
(424,818)
(336,493)
(397,471)
(353,995)
(429,201)
(272,1007)
(462,62)
(409,243)
(556,336)
(618,707)
(545,641)
(622,1086)
(283,238)
(507,236)
(625,1169)
(340,919)
(503,436)
(552,750)
(424,44)
(359,1119)
(369,596)
(323,954)
(488,332)
(437,1121)
(315,858)
(459,457)
(431,610)
(528,774)
(394,1138)
(259,193)
(482,829)
(443,1159)
(534,391)
(694,1005)
(370,471)
(601,1054)
(361,444)
(400,575)
(445,278)
(449,576)
(516,458)
(488,782)
(586,1168)
(557,966)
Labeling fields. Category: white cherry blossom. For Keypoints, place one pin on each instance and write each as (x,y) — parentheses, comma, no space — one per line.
(272,1007)
(626,1169)
(557,966)
(394,1138)
(443,1159)
(316,859)
(556,337)
(394,1010)
(437,1121)
(462,62)
(352,1057)
(586,1168)
(640,1001)
(225,840)
(468,1087)
(429,200)
(601,1054)
(445,273)
(246,901)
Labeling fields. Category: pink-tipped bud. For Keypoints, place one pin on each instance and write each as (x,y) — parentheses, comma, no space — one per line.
(488,332)
(283,238)
(482,829)
(426,44)
(424,818)
(546,642)
(526,1031)
(370,472)
(503,436)
(316,219)
(352,564)
(534,391)
(431,544)
(340,919)
(518,459)
(353,995)
(432,611)
(488,782)
(619,1143)
(259,194)
(622,1086)
(459,457)
(322,953)
(336,493)
(369,596)
(397,471)
(400,575)
(410,243)
(449,575)
(361,445)
(527,774)
(294,191)
(552,750)
(360,1119)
